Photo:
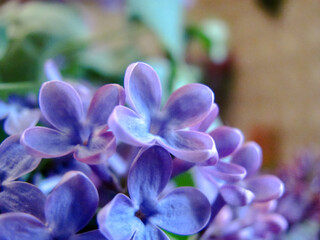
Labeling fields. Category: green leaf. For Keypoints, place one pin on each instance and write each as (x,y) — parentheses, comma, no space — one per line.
(3,40)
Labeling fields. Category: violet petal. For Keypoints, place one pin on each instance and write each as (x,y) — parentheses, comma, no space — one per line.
(22,197)
(61,106)
(204,125)
(103,102)
(21,226)
(92,235)
(14,160)
(235,195)
(156,165)
(45,142)
(51,71)
(183,211)
(190,146)
(149,231)
(274,223)
(143,88)
(188,105)
(72,203)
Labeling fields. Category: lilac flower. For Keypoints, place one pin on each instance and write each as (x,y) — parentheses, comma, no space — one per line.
(68,208)
(148,125)
(85,136)
(183,211)
(16,196)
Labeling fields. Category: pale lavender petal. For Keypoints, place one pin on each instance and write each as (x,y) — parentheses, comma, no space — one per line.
(190,146)
(156,165)
(22,197)
(149,231)
(102,144)
(61,106)
(204,125)
(117,219)
(274,223)
(14,160)
(46,142)
(21,226)
(183,211)
(103,103)
(188,105)
(4,110)
(248,156)
(235,195)
(51,71)
(92,235)
(18,121)
(143,88)
(227,140)
(130,128)
(228,172)
(71,204)
(265,187)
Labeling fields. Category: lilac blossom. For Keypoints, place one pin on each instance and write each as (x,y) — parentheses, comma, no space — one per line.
(84,134)
(68,208)
(182,211)
(17,196)
(147,124)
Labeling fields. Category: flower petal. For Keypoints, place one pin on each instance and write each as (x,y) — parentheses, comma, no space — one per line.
(188,105)
(143,88)
(71,204)
(128,127)
(117,219)
(103,102)
(183,211)
(149,231)
(248,156)
(14,160)
(190,146)
(272,222)
(92,235)
(156,165)
(265,187)
(51,71)
(46,142)
(21,226)
(227,140)
(204,125)
(235,195)
(61,106)
(22,197)
(100,147)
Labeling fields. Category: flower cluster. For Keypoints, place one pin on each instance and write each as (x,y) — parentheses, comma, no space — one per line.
(109,169)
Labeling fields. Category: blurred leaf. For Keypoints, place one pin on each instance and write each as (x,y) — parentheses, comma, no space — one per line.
(165,18)
(184,179)
(3,40)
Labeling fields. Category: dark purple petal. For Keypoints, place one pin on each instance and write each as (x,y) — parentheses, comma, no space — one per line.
(14,160)
(149,174)
(18,121)
(228,172)
(204,125)
(128,127)
(117,219)
(100,147)
(183,211)
(22,197)
(190,146)
(51,71)
(92,235)
(21,226)
(46,142)
(265,187)
(71,204)
(103,103)
(143,88)
(248,156)
(149,231)
(227,140)
(235,195)
(188,105)
(61,106)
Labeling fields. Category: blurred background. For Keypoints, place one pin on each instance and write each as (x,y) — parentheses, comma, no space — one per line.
(261,57)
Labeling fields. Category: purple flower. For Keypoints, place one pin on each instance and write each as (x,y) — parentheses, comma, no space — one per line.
(68,208)
(84,134)
(16,196)
(182,211)
(147,125)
